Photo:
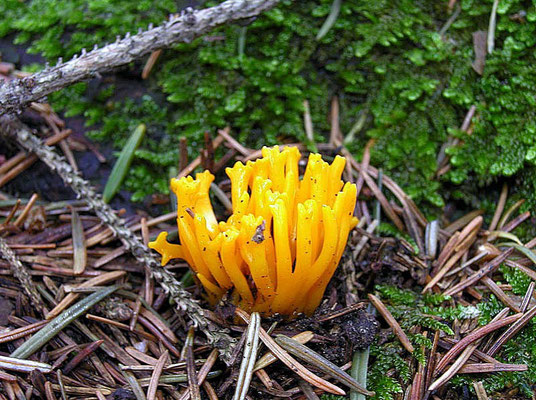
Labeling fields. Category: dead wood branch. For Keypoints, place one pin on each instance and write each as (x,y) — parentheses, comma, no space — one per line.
(11,127)
(19,93)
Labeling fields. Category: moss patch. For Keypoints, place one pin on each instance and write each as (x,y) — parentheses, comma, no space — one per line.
(386,60)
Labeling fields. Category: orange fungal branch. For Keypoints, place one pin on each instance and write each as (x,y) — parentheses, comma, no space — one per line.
(284,240)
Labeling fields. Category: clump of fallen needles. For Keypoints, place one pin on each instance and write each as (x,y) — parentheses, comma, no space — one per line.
(82,317)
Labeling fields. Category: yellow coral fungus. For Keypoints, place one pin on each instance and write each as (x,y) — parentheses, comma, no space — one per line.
(283,242)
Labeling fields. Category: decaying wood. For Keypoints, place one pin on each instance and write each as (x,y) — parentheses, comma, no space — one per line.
(185,27)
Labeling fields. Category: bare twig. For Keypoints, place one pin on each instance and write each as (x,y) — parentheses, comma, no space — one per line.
(14,129)
(233,143)
(480,391)
(183,28)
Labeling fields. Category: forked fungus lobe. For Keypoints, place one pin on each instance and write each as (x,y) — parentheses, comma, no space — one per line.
(283,242)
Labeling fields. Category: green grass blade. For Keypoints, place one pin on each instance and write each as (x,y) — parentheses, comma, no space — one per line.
(306,354)
(359,371)
(60,322)
(522,249)
(122,164)
(134,385)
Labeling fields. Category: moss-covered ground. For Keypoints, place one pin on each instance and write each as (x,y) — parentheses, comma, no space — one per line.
(402,71)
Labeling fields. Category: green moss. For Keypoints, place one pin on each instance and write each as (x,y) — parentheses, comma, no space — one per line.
(518,279)
(396,295)
(521,350)
(384,59)
(411,309)
(388,65)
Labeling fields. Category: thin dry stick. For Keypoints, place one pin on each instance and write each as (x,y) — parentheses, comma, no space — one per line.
(144,231)
(208,153)
(12,162)
(383,201)
(197,161)
(64,146)
(389,184)
(13,128)
(11,213)
(308,122)
(183,153)
(20,162)
(183,28)
(377,303)
(364,165)
(335,134)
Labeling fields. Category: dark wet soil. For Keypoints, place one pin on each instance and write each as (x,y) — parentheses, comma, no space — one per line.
(38,178)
